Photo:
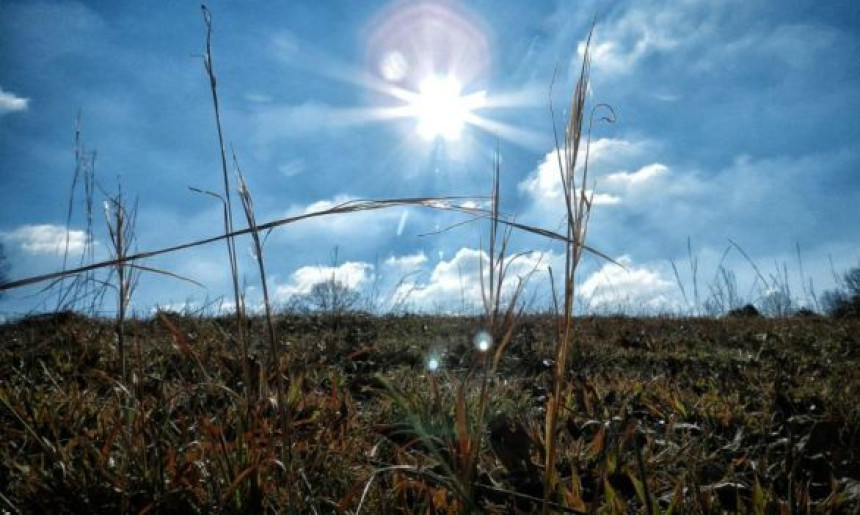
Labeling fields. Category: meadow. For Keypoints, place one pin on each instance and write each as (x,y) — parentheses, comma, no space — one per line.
(668,415)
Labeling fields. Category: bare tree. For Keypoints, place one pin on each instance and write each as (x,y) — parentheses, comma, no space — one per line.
(331,296)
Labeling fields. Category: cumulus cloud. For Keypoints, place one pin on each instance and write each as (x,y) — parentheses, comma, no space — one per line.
(10,102)
(353,274)
(609,162)
(456,283)
(406,263)
(45,239)
(544,185)
(638,286)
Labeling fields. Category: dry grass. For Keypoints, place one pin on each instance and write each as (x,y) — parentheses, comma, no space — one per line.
(731,414)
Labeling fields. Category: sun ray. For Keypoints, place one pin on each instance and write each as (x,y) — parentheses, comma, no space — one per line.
(525,138)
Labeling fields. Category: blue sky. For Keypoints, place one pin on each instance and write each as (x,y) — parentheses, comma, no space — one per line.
(736,119)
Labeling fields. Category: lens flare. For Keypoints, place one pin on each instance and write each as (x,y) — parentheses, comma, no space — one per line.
(433,364)
(483,341)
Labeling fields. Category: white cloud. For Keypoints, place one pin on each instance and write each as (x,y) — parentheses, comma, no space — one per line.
(352,274)
(45,239)
(10,102)
(706,36)
(638,286)
(408,262)
(456,283)
(617,48)
(629,179)
(609,158)
(544,185)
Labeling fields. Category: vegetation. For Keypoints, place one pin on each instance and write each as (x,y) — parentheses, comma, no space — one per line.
(844,302)
(753,415)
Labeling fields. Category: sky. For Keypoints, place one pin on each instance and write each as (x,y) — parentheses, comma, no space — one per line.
(735,122)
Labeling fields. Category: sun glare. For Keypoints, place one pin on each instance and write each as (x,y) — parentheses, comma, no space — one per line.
(441,109)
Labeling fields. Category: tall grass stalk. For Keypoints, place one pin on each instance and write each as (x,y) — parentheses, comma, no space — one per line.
(694,273)
(83,290)
(578,203)
(228,213)
(274,357)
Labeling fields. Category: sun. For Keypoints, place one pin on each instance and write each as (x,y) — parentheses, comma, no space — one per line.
(441,109)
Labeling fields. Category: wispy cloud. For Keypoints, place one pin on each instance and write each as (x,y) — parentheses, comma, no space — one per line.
(292,168)
(45,239)
(644,174)
(357,230)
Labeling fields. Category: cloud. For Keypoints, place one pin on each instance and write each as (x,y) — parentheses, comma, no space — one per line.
(631,179)
(10,102)
(293,168)
(353,274)
(544,185)
(407,263)
(618,48)
(456,283)
(45,239)
(353,231)
(796,46)
(639,286)
(609,160)
(284,46)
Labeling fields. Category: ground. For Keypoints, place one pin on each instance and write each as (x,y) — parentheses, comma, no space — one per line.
(693,415)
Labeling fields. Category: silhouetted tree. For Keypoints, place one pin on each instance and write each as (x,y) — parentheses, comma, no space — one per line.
(331,297)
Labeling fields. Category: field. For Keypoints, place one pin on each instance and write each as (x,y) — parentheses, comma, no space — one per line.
(744,414)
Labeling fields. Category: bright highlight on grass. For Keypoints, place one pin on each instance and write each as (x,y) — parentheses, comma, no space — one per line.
(440,108)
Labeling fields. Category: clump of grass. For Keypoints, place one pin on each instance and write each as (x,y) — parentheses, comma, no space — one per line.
(120,223)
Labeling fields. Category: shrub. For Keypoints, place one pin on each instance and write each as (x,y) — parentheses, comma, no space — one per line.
(330,297)
(844,302)
(748,311)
